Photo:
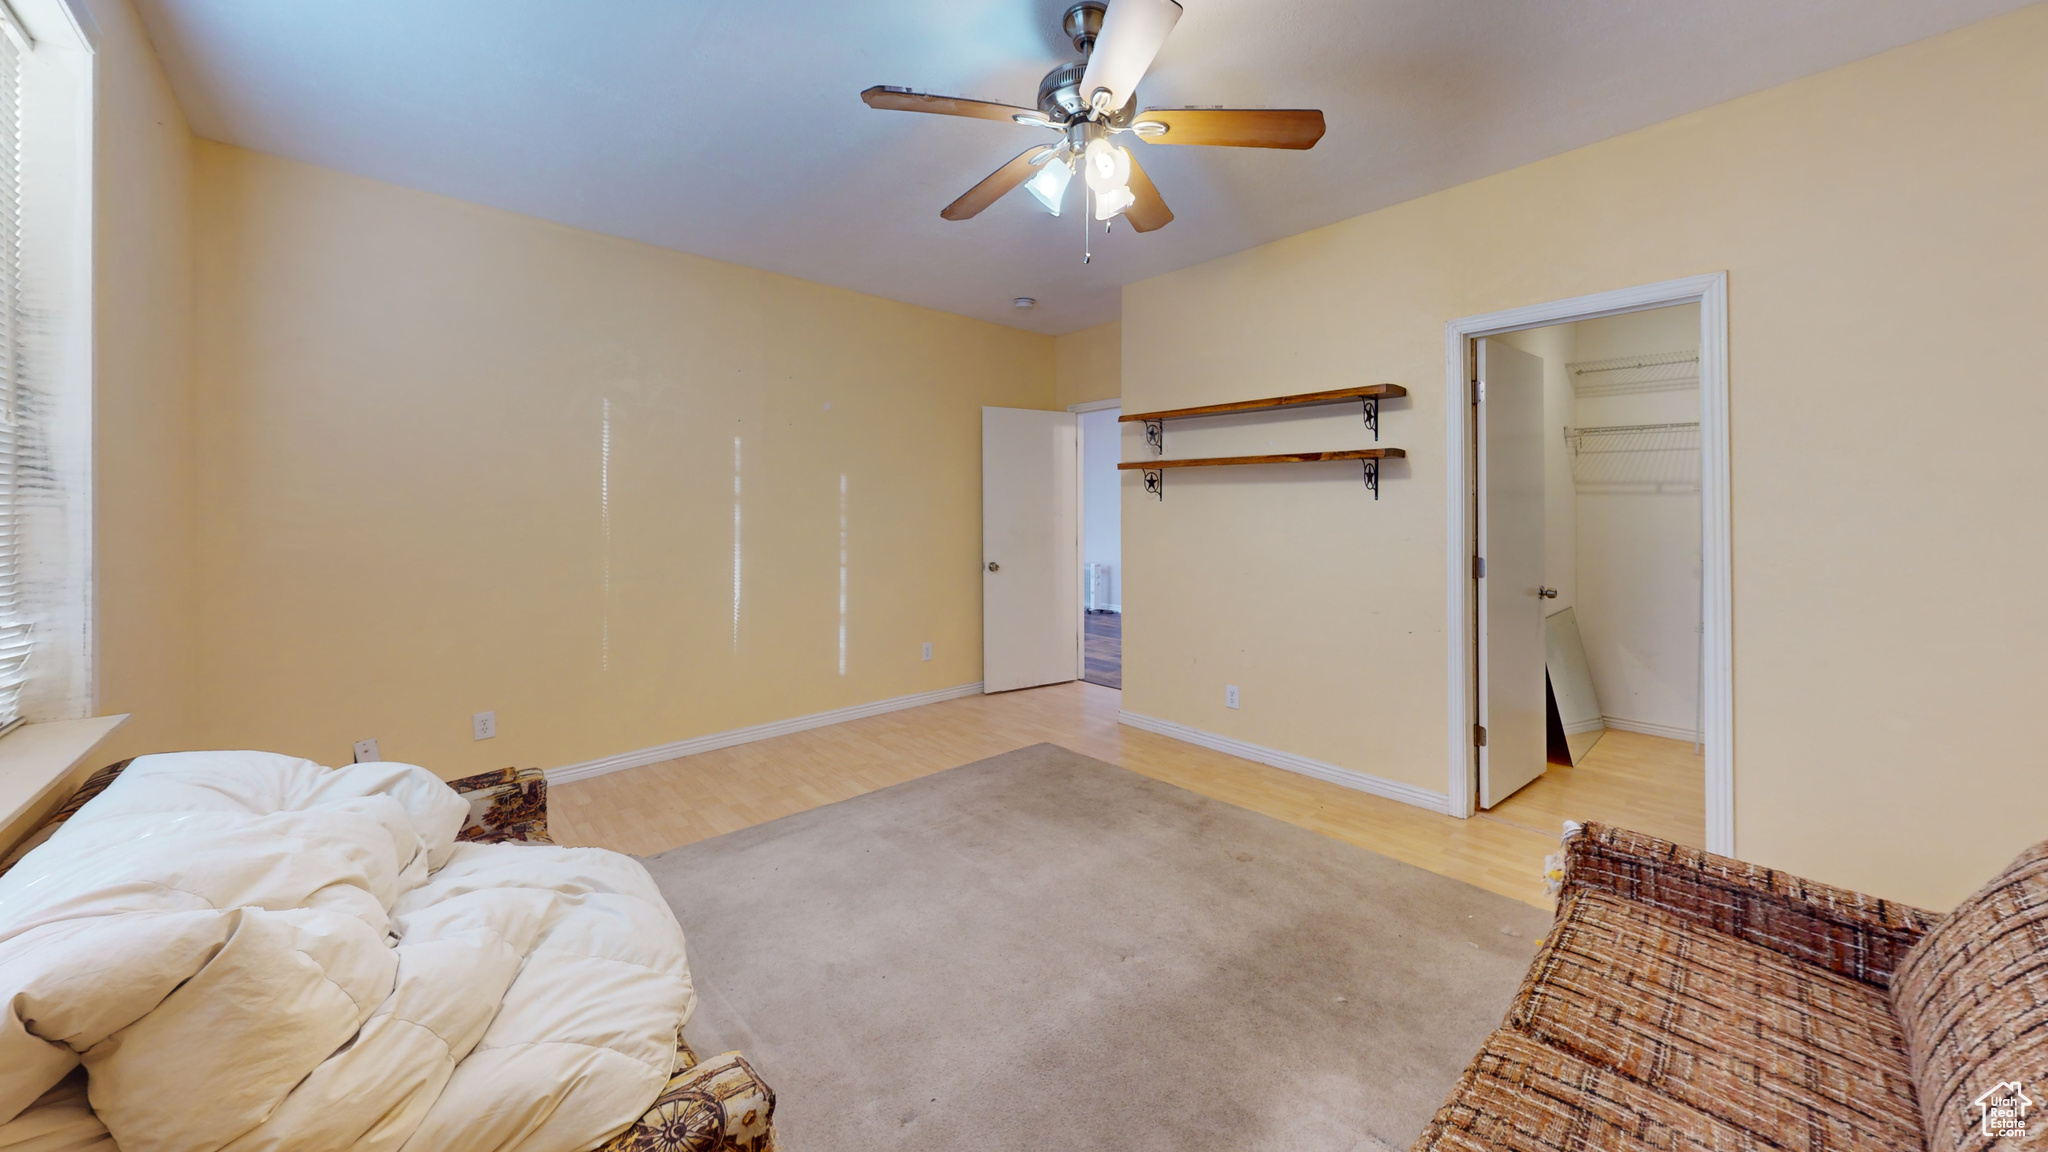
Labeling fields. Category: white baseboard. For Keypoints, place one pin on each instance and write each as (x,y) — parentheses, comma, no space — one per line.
(1583,726)
(1349,778)
(716,740)
(1649,729)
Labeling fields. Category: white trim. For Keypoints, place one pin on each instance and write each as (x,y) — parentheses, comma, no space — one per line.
(717,740)
(1649,729)
(1097,405)
(1717,570)
(1710,292)
(16,31)
(84,24)
(1349,778)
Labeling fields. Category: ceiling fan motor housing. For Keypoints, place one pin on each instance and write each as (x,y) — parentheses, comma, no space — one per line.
(1059,94)
(1083,24)
(1059,97)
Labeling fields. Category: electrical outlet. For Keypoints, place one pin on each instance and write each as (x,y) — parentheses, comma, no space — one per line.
(366,751)
(1230,695)
(483,725)
(927,649)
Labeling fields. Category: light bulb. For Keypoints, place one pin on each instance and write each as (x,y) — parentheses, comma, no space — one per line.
(1109,167)
(1050,185)
(1108,204)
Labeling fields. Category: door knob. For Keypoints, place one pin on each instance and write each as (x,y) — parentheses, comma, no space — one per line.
(994,567)
(1547,593)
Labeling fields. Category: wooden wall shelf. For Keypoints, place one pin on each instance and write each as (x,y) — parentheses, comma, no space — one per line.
(1299,400)
(1275,458)
(1369,394)
(1155,476)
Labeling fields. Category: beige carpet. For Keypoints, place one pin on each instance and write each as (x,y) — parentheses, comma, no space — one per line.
(1041,950)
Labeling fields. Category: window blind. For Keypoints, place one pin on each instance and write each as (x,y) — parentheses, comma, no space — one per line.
(14,626)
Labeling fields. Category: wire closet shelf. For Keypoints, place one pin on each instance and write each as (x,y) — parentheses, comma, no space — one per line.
(1652,459)
(1630,375)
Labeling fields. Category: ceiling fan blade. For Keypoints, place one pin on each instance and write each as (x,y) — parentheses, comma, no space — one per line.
(1233,127)
(1133,32)
(1149,212)
(998,182)
(904,100)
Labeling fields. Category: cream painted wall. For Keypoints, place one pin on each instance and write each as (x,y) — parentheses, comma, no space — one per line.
(1090,364)
(144,486)
(410,512)
(1880,224)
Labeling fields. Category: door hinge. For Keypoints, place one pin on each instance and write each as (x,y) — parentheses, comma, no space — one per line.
(1478,392)
(1479,567)
(1479,735)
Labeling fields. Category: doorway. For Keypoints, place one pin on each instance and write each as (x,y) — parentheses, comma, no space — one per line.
(1590,594)
(1605,520)
(1102,562)
(1031,541)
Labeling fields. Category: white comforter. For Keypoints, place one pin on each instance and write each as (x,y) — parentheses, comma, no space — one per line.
(249,951)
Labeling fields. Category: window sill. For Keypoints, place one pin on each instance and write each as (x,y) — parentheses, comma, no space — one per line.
(36,758)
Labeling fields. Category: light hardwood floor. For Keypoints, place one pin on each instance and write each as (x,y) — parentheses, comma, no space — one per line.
(1643,782)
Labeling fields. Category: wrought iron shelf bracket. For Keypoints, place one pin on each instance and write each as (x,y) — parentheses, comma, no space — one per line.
(1155,435)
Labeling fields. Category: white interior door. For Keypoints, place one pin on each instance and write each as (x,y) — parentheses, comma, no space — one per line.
(1511,701)
(1030,548)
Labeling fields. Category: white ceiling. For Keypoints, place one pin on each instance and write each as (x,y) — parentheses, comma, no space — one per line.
(735,130)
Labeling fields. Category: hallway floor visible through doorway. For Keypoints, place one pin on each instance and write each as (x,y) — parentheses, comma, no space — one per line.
(1647,783)
(1105,650)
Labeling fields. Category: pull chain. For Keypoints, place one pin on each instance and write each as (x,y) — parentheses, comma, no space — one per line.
(1087,233)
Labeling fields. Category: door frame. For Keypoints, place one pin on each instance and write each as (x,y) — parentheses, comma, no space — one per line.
(1717,683)
(1081,524)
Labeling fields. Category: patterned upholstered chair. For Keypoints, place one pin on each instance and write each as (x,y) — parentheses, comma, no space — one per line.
(717,1105)
(1689,1002)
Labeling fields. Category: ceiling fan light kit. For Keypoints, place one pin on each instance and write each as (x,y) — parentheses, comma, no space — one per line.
(1049,187)
(1109,167)
(1094,98)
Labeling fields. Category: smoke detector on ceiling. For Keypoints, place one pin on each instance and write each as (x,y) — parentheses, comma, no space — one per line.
(1025,302)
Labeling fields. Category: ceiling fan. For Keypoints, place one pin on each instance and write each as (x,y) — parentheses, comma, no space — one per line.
(1091,101)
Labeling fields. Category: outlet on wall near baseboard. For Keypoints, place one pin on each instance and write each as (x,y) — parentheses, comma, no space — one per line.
(366,751)
(1230,695)
(483,725)
(927,649)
